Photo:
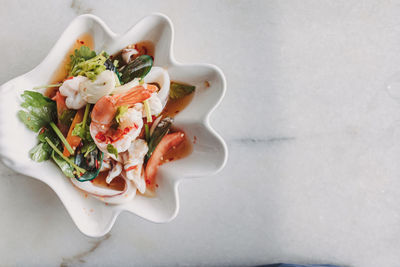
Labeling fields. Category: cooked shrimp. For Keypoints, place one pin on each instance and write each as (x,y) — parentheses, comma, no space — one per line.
(130,124)
(70,89)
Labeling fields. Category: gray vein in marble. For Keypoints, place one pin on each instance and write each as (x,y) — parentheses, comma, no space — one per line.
(264,140)
(76,5)
(79,258)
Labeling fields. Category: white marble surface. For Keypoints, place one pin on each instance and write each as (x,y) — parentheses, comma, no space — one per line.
(314,137)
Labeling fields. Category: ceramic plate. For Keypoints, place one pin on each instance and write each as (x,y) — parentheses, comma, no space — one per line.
(93,217)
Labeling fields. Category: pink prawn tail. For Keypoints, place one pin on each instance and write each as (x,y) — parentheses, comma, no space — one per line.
(136,95)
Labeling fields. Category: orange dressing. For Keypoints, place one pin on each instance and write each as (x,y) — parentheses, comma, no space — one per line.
(116,184)
(174,106)
(61,71)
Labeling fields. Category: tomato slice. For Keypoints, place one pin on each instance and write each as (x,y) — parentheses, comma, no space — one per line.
(166,143)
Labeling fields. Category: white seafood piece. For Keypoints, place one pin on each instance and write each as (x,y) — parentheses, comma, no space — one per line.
(132,120)
(127,195)
(126,87)
(106,194)
(127,54)
(137,176)
(160,76)
(70,89)
(133,163)
(114,172)
(92,91)
(155,105)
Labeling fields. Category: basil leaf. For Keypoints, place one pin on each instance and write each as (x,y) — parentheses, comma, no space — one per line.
(179,90)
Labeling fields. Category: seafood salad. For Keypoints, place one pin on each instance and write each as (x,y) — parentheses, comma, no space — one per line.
(106,123)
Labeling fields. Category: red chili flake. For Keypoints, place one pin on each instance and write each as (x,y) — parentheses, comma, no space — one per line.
(127,129)
(131,168)
(176,112)
(148,182)
(135,126)
(97,164)
(69,78)
(106,204)
(171,159)
(156,185)
(82,42)
(42,130)
(100,137)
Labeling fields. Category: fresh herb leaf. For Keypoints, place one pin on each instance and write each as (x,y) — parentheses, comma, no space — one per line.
(40,152)
(121,110)
(39,110)
(62,138)
(179,90)
(84,53)
(67,117)
(71,162)
(88,67)
(111,149)
(88,147)
(65,167)
(81,129)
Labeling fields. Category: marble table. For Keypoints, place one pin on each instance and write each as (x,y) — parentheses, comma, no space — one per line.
(312,128)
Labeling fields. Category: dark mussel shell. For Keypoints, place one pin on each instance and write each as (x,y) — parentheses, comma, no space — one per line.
(138,68)
(91,163)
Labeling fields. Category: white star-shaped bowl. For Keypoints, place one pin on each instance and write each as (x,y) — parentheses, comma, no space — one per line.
(93,217)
